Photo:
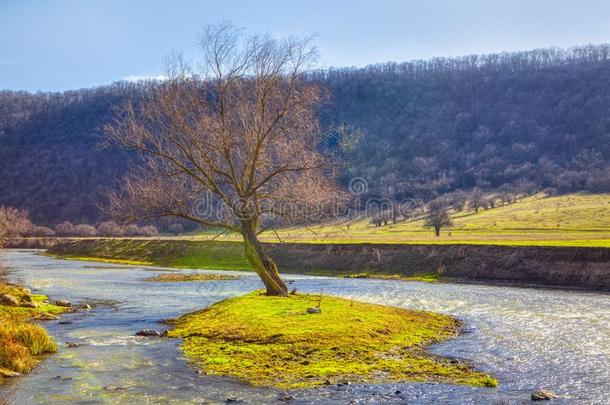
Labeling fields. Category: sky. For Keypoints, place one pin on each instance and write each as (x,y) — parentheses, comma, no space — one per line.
(56,45)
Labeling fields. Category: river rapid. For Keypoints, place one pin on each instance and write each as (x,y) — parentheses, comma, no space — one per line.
(527,338)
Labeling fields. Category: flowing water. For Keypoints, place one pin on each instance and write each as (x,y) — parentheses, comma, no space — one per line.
(527,338)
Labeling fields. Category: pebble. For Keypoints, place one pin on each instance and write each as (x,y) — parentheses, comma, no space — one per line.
(113,388)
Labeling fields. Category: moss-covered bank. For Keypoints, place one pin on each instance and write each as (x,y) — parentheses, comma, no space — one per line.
(275,341)
(21,342)
(184,277)
(519,265)
(167,253)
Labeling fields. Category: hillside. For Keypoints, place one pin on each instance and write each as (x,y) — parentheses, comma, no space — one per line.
(417,129)
(570,220)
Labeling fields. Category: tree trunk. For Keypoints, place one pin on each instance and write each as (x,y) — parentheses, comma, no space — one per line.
(437,231)
(263,265)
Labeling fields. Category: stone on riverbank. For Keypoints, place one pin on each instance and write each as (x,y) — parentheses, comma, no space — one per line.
(8,299)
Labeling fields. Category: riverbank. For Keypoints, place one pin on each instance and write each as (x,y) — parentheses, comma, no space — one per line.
(304,340)
(21,342)
(566,267)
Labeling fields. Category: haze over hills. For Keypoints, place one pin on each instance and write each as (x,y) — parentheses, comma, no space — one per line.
(423,128)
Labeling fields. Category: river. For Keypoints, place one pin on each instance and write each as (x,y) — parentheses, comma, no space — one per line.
(527,338)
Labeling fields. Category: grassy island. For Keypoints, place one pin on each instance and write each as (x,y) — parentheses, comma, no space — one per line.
(21,343)
(275,342)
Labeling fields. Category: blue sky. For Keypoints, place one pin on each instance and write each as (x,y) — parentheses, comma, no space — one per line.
(65,44)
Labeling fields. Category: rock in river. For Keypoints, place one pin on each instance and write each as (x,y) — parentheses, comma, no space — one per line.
(63,303)
(148,332)
(542,395)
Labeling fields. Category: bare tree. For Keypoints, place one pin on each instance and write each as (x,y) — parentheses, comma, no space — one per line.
(476,199)
(40,231)
(84,230)
(13,223)
(64,229)
(238,133)
(437,218)
(457,200)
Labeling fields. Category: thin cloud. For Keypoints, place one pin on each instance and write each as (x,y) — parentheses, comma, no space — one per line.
(138,78)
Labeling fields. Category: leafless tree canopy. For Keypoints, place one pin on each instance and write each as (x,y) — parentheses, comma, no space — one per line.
(437,218)
(240,126)
(13,222)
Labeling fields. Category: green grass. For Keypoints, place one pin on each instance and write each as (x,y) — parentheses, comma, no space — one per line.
(569,220)
(113,261)
(21,343)
(177,254)
(422,277)
(181,277)
(578,220)
(273,341)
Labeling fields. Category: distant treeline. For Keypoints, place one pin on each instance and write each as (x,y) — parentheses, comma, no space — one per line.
(418,129)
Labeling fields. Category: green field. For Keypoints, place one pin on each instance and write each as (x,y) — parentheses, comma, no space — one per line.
(569,220)
(559,222)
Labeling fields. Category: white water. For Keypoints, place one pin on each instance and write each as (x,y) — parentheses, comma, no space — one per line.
(527,338)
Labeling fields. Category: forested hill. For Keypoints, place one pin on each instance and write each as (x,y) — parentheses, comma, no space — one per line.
(422,128)
(431,126)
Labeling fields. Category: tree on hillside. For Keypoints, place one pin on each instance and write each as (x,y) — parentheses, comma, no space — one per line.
(476,199)
(13,223)
(228,144)
(437,218)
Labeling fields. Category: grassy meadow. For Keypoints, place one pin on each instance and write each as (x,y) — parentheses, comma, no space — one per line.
(568,220)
